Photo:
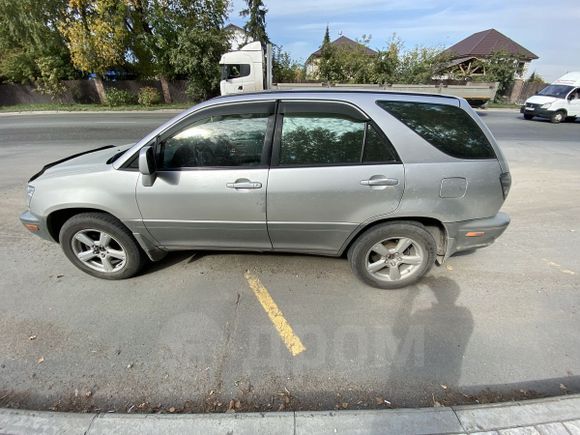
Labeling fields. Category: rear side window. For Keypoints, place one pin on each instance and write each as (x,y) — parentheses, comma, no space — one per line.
(378,148)
(448,128)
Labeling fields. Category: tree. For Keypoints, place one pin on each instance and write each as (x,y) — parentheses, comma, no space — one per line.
(535,78)
(500,67)
(386,62)
(96,35)
(200,46)
(284,68)
(31,48)
(352,64)
(418,65)
(326,64)
(255,27)
(345,63)
(178,37)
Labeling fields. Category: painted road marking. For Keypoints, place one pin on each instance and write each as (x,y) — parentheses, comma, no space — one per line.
(291,340)
(560,268)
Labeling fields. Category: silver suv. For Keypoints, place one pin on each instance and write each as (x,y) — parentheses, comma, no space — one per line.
(397,182)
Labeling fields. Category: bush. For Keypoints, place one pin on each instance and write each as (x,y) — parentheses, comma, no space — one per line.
(118,97)
(148,96)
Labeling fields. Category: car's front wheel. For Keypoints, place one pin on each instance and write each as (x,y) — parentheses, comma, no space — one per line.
(100,245)
(558,117)
(528,116)
(393,255)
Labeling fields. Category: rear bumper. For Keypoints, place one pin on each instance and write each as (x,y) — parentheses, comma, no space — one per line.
(483,233)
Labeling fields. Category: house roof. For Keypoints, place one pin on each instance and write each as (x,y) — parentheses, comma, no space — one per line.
(483,44)
(343,41)
(232,26)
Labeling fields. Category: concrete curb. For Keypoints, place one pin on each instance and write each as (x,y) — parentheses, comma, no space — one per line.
(543,416)
(499,109)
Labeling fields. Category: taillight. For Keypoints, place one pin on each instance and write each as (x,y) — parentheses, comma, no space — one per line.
(506,182)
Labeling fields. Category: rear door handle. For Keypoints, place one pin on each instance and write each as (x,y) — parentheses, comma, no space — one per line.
(244,184)
(380,181)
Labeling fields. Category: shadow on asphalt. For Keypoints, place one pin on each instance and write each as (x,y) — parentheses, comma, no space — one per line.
(442,332)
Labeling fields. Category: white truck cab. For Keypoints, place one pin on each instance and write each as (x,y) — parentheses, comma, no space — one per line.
(557,102)
(242,70)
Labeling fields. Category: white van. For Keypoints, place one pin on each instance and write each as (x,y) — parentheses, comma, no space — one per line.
(558,102)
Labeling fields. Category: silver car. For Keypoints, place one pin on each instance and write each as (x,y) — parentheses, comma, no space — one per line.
(396,182)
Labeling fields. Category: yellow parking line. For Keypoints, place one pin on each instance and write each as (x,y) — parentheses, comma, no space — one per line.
(560,268)
(291,340)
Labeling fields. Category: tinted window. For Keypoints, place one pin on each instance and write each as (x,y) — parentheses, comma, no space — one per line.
(223,140)
(378,149)
(448,128)
(320,139)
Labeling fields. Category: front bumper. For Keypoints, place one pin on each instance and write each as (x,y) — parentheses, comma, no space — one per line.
(30,220)
(536,111)
(473,234)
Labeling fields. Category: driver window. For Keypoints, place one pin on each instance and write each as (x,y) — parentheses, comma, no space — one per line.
(221,140)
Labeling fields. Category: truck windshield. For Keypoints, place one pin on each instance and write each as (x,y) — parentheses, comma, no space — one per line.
(558,91)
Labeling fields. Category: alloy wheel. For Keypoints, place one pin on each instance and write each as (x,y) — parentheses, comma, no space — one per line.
(99,250)
(395,259)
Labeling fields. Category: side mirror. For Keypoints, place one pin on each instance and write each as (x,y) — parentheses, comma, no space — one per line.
(147,165)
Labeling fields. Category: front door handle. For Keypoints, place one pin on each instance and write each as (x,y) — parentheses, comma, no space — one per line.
(379,180)
(244,183)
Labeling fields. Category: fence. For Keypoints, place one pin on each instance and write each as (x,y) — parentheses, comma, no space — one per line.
(521,91)
(85,92)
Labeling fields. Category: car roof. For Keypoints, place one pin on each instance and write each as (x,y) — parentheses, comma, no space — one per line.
(314,93)
(352,96)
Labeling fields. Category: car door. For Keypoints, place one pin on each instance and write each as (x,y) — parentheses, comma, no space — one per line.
(574,103)
(212,173)
(332,169)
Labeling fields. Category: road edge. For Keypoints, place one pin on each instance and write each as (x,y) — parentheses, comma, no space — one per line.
(558,415)
(88,112)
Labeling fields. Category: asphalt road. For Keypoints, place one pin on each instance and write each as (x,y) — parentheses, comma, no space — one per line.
(500,323)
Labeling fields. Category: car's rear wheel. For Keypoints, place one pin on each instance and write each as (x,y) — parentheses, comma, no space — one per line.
(558,117)
(393,255)
(100,245)
(528,116)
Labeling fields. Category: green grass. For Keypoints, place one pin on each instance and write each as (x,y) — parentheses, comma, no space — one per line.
(503,106)
(88,107)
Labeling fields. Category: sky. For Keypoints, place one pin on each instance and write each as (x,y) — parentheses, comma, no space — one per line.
(550,29)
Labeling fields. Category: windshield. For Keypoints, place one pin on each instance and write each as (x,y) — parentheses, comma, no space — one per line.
(558,91)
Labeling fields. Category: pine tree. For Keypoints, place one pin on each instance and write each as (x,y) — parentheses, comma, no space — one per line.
(255,27)
(325,65)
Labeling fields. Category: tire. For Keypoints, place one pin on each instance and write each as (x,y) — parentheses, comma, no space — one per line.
(393,237)
(528,116)
(558,117)
(100,245)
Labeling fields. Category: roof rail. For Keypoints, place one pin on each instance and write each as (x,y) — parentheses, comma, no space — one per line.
(339,91)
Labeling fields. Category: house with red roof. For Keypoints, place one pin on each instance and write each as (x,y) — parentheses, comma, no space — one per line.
(466,56)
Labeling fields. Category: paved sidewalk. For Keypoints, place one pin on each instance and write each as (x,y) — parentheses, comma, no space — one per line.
(556,416)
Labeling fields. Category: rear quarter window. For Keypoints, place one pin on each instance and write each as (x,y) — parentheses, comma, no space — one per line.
(448,128)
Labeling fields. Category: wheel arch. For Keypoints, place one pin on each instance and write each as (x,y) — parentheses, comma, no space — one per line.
(56,219)
(434,226)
